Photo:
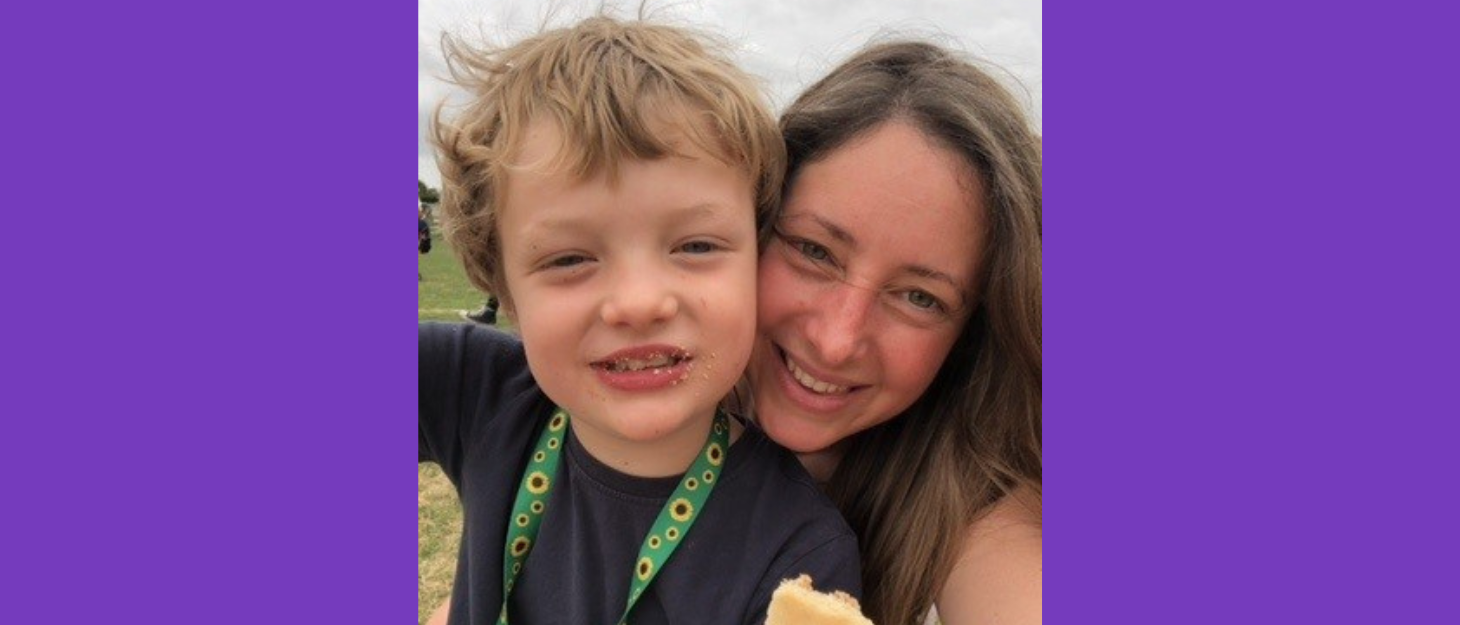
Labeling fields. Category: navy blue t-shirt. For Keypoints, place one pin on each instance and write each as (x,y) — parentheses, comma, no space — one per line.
(765,521)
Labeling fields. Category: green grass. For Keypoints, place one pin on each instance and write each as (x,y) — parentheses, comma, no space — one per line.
(438,533)
(443,291)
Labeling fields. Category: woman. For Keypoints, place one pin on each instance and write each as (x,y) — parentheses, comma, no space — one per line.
(899,348)
(900,329)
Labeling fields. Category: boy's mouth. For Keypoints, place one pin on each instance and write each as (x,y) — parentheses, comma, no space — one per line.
(642,357)
(644,367)
(657,361)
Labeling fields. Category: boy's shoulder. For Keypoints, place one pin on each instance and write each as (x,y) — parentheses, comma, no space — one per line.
(472,338)
(473,372)
(800,499)
(769,521)
(473,350)
(787,510)
(777,467)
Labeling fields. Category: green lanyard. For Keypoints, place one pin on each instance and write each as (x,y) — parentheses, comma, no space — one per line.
(671,526)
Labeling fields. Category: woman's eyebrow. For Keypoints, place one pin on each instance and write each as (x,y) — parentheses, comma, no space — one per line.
(835,231)
(921,271)
(933,274)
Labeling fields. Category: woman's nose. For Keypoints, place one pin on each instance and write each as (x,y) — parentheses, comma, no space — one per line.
(838,327)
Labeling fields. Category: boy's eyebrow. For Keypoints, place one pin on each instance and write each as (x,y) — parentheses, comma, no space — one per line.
(550,225)
(700,211)
(694,212)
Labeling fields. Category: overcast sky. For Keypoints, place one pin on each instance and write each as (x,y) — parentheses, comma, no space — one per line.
(786,43)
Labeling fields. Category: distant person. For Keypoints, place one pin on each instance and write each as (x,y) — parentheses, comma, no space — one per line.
(487,315)
(607,185)
(423,236)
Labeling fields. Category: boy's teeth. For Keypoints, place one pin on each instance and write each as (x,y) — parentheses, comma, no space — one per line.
(815,385)
(635,364)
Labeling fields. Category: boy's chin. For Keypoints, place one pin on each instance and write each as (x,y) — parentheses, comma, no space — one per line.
(653,427)
(653,423)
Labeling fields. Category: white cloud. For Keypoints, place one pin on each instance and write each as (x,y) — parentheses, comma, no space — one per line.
(788,44)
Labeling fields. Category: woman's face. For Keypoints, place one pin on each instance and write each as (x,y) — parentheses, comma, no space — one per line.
(867,283)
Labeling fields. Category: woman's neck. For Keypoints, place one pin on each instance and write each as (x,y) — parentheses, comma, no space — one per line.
(822,464)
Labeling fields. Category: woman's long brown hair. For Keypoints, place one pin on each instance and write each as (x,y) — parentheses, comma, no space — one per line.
(912,486)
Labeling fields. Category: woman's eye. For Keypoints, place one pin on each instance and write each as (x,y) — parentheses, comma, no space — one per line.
(698,247)
(923,300)
(811,250)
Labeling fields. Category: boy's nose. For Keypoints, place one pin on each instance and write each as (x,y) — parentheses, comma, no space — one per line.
(639,301)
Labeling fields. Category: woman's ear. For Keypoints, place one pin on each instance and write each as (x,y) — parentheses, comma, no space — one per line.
(505,307)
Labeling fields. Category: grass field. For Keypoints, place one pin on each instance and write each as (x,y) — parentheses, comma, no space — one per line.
(443,291)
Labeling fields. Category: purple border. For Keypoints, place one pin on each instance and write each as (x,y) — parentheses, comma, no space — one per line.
(209,345)
(210,413)
(1250,314)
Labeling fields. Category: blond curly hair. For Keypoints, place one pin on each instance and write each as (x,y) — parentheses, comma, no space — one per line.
(612,88)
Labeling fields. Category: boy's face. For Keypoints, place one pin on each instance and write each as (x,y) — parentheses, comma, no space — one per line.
(635,298)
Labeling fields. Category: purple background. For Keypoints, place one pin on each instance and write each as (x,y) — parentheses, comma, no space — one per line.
(210,344)
(1250,285)
(211,352)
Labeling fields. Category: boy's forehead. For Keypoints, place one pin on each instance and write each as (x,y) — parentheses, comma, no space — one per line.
(539,144)
(544,145)
(543,164)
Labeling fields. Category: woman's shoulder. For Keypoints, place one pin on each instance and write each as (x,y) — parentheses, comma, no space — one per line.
(999,576)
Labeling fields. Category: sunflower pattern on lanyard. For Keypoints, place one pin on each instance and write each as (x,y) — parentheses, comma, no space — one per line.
(672,524)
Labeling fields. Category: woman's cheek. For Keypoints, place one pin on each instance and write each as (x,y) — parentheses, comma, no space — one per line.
(770,288)
(916,363)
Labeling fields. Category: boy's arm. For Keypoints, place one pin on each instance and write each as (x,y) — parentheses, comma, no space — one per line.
(468,375)
(439,358)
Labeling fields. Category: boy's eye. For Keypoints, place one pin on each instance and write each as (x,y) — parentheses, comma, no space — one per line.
(568,261)
(698,247)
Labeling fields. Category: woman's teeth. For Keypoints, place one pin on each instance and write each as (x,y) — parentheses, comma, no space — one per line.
(813,384)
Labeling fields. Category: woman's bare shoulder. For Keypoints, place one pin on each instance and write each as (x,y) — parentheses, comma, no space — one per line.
(999,577)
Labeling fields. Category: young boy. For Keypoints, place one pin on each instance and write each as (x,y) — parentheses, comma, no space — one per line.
(606,183)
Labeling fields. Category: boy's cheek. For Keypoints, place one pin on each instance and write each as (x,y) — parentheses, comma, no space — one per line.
(732,285)
(733,303)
